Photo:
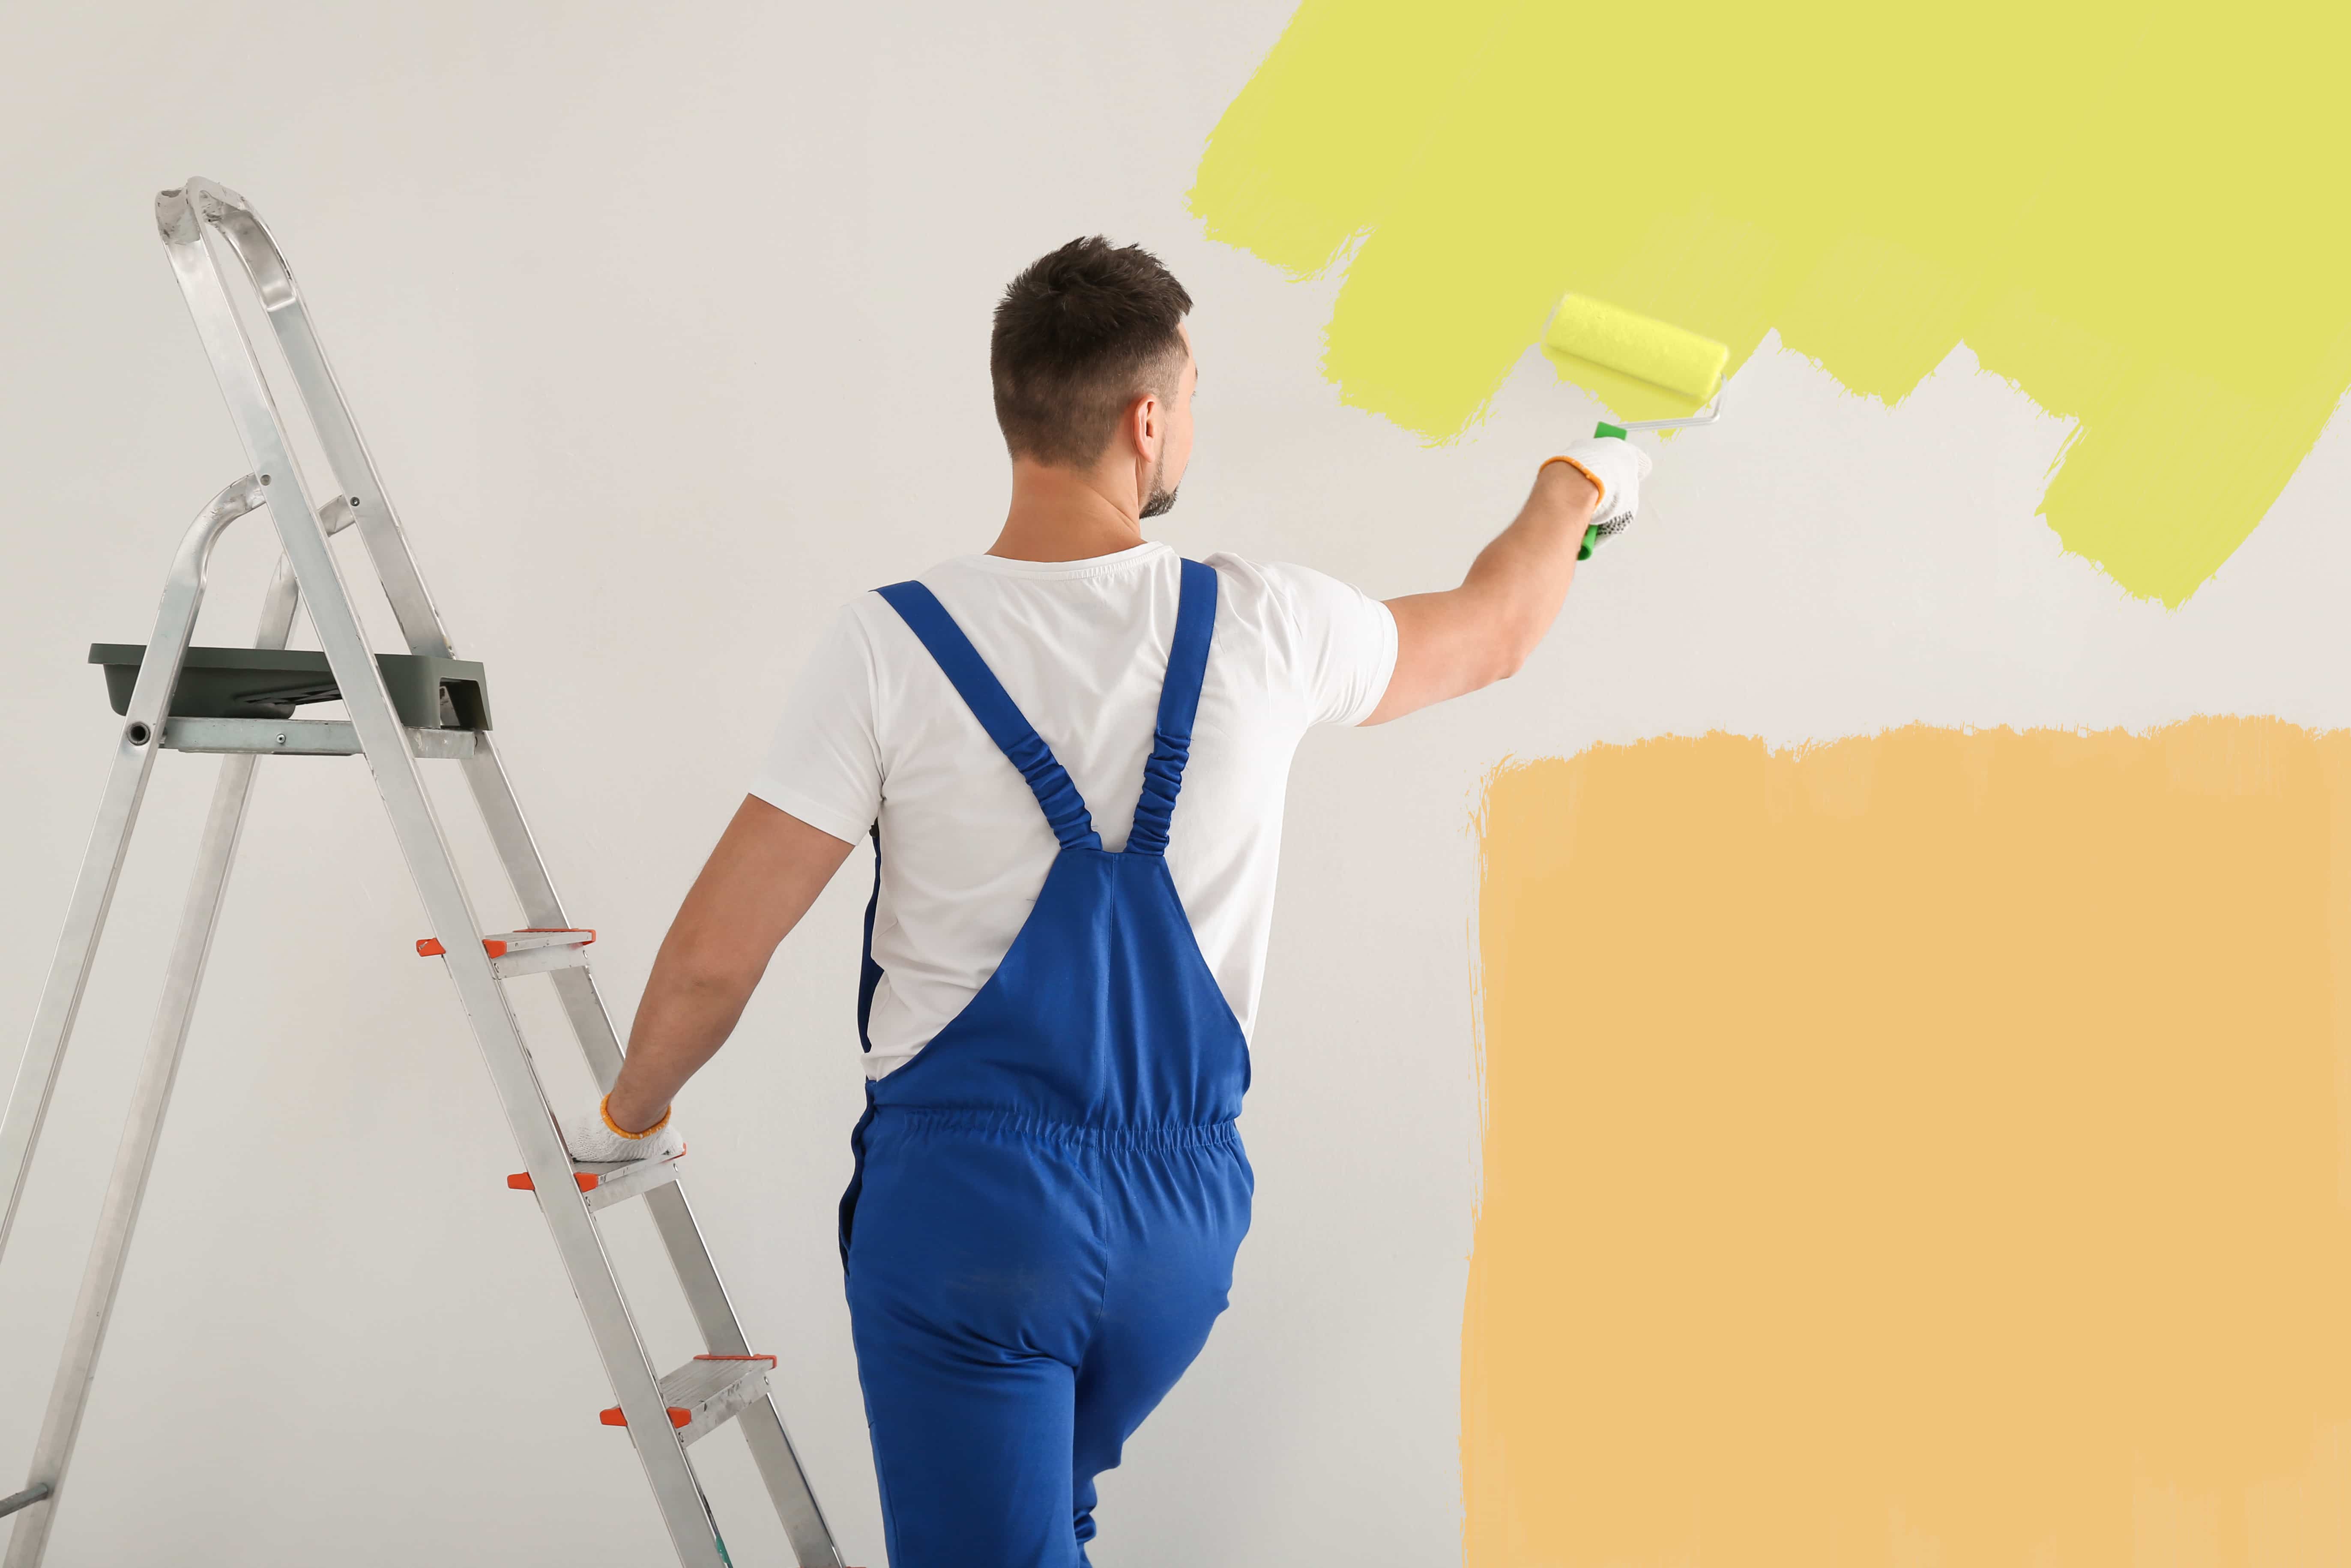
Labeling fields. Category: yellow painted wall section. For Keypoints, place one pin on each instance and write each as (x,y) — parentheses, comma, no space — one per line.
(2128,210)
(1920,1151)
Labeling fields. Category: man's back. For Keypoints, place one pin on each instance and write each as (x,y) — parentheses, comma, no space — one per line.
(873,731)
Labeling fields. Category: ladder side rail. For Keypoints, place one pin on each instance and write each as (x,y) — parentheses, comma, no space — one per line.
(110,840)
(134,1158)
(525,868)
(448,910)
(770,1441)
(330,417)
(697,1273)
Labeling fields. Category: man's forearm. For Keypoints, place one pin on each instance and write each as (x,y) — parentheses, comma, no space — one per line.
(767,869)
(1522,578)
(1456,642)
(682,1021)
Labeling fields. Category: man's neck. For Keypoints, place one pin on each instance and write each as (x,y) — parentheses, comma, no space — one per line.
(1066,514)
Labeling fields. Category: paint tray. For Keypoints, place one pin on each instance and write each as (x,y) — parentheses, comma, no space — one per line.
(271,682)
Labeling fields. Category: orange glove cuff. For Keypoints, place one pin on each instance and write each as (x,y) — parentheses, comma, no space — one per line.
(1580,468)
(604,1109)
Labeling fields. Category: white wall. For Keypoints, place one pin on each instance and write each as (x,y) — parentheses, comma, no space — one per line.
(669,336)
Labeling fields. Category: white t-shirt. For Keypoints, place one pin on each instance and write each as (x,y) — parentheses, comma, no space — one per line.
(874,730)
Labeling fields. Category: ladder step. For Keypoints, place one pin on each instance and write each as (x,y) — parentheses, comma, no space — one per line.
(528,952)
(607,1182)
(706,1392)
(26,1498)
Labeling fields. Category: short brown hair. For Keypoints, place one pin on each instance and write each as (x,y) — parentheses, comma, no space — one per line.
(1080,334)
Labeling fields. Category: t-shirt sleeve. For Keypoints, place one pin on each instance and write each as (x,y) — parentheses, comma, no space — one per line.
(824,764)
(1346,646)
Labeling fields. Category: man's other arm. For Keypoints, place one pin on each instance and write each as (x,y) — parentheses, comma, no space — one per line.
(767,869)
(1453,643)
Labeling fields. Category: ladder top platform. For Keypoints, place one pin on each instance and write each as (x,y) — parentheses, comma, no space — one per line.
(270,683)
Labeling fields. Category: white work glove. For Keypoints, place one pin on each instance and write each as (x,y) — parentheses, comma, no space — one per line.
(1615,467)
(595,1138)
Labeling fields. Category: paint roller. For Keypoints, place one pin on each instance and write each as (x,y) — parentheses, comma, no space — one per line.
(1586,334)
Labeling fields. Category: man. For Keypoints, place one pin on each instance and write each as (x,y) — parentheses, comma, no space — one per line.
(1049,1191)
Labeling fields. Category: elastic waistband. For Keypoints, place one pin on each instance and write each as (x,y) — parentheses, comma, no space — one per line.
(975,1119)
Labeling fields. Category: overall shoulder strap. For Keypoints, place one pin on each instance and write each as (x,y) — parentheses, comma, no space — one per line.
(1179,700)
(1064,810)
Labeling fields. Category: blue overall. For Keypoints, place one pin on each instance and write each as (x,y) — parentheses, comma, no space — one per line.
(1048,1197)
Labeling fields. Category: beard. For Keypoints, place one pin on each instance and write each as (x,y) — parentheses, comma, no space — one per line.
(1161,501)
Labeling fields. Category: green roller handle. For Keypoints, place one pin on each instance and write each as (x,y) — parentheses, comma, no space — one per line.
(1591,532)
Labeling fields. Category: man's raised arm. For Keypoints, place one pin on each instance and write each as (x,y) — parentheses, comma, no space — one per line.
(1453,643)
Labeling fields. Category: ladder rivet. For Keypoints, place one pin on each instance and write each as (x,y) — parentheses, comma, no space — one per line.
(265,478)
(355,500)
(137,734)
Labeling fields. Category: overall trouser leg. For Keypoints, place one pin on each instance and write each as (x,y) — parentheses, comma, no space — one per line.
(972,1272)
(1173,1219)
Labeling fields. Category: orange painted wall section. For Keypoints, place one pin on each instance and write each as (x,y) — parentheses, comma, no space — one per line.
(1924,1150)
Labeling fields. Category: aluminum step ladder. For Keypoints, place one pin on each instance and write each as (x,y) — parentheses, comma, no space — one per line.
(662,1414)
